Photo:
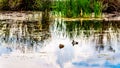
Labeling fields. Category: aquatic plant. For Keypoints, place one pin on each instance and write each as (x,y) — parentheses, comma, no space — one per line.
(73,8)
(66,8)
(37,5)
(1,3)
(84,5)
(98,7)
(14,4)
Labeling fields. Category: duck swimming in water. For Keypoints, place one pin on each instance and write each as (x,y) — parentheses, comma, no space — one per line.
(74,43)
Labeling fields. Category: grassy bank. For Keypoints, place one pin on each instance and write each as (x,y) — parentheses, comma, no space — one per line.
(63,8)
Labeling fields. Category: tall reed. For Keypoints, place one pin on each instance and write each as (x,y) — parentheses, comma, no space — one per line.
(98,7)
(84,6)
(73,8)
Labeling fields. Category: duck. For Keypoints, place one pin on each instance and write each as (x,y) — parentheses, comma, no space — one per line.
(74,42)
(61,46)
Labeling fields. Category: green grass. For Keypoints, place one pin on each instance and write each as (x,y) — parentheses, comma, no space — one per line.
(98,8)
(84,5)
(78,8)
(73,8)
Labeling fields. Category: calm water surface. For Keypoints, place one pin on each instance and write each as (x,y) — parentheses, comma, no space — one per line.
(86,44)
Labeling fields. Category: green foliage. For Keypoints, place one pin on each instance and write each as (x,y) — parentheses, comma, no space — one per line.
(14,4)
(46,5)
(42,5)
(98,8)
(73,8)
(3,4)
(78,8)
(27,5)
(67,8)
(37,4)
(84,5)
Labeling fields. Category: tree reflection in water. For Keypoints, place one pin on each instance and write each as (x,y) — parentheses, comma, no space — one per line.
(82,40)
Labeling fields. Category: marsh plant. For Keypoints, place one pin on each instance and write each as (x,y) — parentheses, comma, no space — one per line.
(66,8)
(98,8)
(78,8)
(84,6)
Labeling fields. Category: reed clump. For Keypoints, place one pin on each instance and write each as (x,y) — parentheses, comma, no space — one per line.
(78,8)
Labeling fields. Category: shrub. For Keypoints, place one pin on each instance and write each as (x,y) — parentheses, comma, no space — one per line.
(14,4)
(3,4)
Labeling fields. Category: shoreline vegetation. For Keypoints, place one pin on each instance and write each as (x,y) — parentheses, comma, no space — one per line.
(64,8)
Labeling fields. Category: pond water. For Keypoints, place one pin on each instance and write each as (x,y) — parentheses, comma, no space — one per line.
(60,44)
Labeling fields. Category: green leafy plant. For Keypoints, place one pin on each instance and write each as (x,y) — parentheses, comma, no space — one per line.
(84,5)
